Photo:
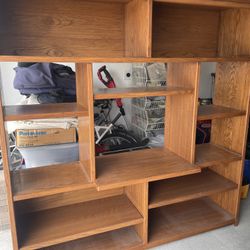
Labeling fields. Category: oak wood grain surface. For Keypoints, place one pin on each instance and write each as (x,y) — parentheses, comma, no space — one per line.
(68,223)
(189,187)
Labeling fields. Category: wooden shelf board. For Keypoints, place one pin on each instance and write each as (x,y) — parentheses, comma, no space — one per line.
(106,93)
(140,166)
(212,3)
(189,187)
(16,58)
(185,219)
(42,111)
(48,180)
(209,155)
(209,112)
(58,225)
(125,238)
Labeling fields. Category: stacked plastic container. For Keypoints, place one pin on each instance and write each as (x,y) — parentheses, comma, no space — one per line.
(148,112)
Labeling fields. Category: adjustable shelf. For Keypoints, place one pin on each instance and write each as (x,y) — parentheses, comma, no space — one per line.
(140,166)
(175,190)
(208,155)
(54,226)
(48,180)
(209,112)
(185,219)
(125,239)
(43,111)
(139,92)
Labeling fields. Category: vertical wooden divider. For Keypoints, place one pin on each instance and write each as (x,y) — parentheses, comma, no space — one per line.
(138,28)
(181,110)
(232,89)
(85,98)
(7,176)
(138,194)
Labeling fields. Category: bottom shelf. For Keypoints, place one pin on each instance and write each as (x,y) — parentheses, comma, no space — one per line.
(185,219)
(58,225)
(125,238)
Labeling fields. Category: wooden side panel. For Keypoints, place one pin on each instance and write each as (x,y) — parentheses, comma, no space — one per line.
(7,176)
(138,27)
(138,194)
(62,28)
(232,89)
(234,37)
(181,110)
(63,199)
(85,97)
(185,31)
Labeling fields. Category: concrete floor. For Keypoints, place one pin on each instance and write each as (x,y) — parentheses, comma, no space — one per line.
(227,238)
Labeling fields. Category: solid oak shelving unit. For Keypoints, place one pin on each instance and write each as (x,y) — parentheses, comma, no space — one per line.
(139,199)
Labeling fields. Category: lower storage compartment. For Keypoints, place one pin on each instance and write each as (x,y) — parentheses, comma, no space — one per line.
(125,238)
(71,222)
(177,221)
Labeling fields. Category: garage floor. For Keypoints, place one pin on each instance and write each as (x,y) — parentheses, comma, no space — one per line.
(227,238)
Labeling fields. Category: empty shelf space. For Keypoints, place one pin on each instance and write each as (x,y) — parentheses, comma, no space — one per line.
(139,92)
(42,111)
(139,166)
(209,112)
(209,155)
(185,219)
(125,238)
(189,187)
(37,182)
(58,225)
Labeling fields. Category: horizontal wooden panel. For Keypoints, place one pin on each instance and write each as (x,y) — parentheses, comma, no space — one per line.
(125,239)
(209,155)
(209,112)
(139,92)
(112,59)
(42,111)
(214,3)
(55,226)
(189,187)
(139,166)
(184,219)
(37,182)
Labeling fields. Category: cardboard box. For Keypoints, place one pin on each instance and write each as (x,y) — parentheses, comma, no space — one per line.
(39,137)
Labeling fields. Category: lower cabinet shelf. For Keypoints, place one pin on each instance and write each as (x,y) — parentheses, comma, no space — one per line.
(185,219)
(58,225)
(125,238)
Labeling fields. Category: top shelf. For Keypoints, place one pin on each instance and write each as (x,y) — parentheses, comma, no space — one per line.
(139,92)
(43,111)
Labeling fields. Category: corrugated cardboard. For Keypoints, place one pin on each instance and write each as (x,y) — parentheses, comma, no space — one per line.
(40,137)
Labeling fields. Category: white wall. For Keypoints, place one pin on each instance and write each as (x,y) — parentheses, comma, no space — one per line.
(11,96)
(206,79)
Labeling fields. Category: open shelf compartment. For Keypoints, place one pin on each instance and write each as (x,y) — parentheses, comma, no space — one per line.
(57,225)
(41,181)
(175,190)
(185,219)
(140,166)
